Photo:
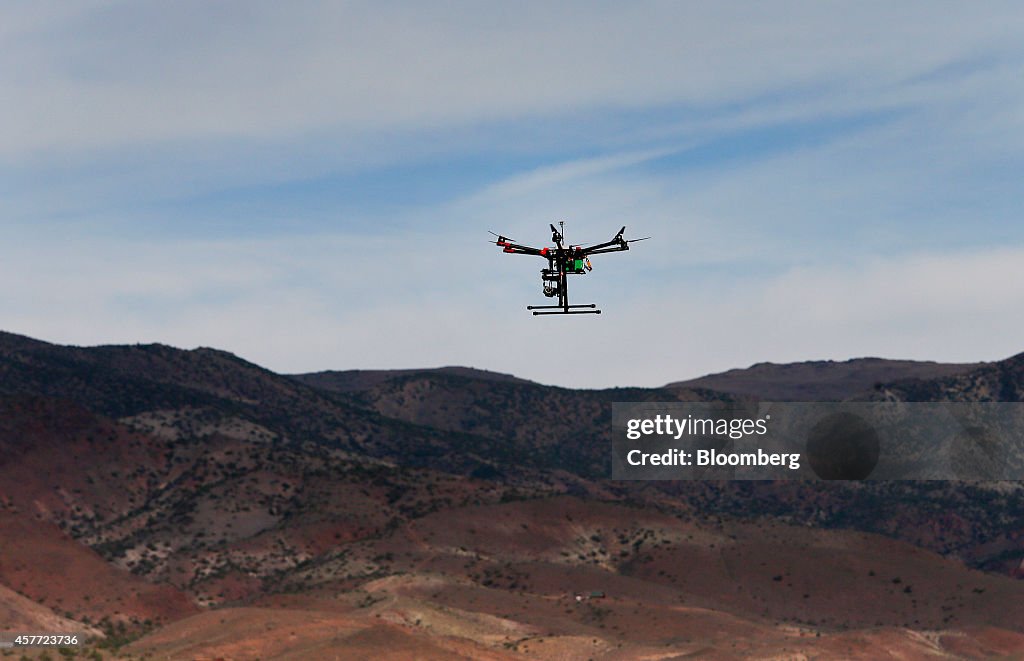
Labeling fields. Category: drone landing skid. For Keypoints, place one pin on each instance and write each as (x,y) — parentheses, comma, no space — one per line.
(563,309)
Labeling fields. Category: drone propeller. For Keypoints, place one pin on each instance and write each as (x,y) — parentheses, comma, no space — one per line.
(635,240)
(500,236)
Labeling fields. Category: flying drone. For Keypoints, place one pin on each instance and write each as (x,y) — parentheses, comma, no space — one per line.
(564,261)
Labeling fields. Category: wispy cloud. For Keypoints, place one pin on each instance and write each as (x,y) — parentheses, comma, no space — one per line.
(258,299)
(126,74)
(309,184)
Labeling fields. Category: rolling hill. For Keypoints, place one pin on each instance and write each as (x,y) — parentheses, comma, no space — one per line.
(215,508)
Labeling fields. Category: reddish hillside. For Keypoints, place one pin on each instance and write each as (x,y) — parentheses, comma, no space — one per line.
(564,579)
(60,461)
(41,562)
(424,514)
(18,613)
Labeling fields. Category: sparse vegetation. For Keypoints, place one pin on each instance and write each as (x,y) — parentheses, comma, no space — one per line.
(232,483)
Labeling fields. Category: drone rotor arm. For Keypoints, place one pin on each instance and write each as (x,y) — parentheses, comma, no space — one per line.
(599,247)
(612,248)
(507,245)
(518,249)
(603,246)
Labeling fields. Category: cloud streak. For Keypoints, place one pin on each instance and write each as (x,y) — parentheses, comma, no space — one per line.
(310,184)
(126,74)
(258,301)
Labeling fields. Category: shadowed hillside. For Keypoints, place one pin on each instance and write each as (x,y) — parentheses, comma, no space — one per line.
(1002,381)
(356,380)
(820,380)
(457,512)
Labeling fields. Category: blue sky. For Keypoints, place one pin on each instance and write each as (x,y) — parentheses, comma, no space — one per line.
(310,185)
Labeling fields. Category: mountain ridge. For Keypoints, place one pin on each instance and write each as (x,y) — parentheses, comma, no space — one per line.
(818,380)
(446,501)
